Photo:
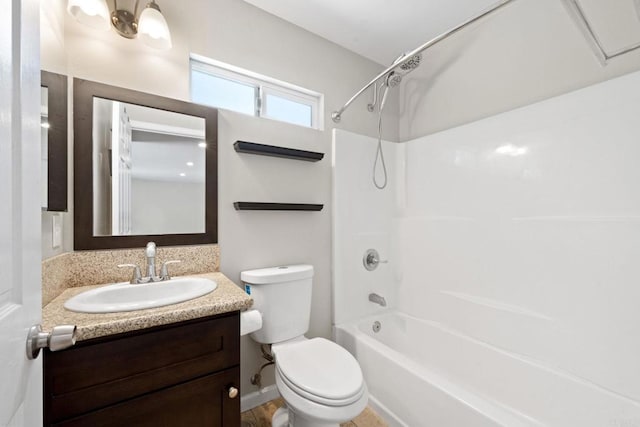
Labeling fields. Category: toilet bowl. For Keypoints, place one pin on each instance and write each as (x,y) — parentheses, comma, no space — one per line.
(320,382)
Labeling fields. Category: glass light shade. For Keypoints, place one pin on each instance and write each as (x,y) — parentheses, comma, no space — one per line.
(153,29)
(94,13)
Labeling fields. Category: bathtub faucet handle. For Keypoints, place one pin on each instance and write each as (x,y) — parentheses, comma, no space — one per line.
(371,259)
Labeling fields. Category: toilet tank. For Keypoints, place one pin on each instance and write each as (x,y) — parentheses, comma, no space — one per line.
(283,296)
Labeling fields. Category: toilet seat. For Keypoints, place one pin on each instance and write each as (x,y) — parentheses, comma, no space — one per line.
(321,371)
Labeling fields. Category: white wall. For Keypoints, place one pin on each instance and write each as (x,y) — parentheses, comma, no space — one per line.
(529,51)
(520,232)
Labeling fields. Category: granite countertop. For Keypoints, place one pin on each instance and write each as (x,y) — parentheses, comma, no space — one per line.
(225,298)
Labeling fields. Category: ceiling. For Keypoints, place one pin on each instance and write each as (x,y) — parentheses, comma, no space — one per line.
(377,29)
(616,24)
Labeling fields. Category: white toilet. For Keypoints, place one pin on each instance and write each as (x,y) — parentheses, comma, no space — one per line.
(320,381)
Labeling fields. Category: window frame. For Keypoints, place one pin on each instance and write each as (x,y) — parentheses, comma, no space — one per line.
(264,86)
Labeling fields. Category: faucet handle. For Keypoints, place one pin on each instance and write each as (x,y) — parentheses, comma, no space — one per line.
(371,260)
(137,276)
(164,271)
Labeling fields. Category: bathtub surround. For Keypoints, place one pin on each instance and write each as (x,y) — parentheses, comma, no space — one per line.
(513,259)
(362,220)
(86,268)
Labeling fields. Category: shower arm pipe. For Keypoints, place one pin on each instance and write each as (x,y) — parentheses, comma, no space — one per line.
(336,116)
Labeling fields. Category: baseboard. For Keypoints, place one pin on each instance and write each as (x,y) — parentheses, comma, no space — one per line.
(257,398)
(391,419)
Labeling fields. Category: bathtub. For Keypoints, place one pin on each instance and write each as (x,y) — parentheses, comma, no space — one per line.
(420,374)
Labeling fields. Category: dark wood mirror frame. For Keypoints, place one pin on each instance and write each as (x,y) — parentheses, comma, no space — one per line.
(56,85)
(83,93)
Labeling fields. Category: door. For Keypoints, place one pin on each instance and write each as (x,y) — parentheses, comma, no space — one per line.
(20,263)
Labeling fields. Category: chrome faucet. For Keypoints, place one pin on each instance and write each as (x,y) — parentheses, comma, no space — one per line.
(378,299)
(150,252)
(152,275)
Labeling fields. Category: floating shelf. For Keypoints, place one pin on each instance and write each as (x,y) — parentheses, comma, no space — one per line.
(259,206)
(274,151)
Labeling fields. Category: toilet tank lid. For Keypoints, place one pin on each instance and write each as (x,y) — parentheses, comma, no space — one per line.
(284,273)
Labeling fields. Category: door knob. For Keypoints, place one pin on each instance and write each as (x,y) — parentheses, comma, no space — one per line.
(61,337)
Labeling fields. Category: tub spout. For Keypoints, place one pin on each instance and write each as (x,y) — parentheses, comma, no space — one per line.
(378,299)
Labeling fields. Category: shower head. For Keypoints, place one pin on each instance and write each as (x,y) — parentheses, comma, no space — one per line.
(404,66)
(408,64)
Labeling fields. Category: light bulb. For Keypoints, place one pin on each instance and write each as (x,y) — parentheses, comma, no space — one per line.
(94,13)
(153,29)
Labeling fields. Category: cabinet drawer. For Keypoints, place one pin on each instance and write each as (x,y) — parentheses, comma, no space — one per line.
(198,403)
(105,371)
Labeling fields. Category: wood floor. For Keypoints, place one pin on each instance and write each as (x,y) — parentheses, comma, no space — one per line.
(261,416)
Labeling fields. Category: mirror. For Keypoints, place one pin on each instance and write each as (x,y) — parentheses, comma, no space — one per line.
(141,155)
(44,147)
(53,121)
(145,169)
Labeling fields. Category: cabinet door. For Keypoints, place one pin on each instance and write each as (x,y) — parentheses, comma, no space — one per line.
(201,402)
(95,375)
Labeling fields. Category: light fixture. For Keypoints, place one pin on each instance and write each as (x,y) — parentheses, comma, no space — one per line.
(202,144)
(45,124)
(189,164)
(153,28)
(94,13)
(183,174)
(150,25)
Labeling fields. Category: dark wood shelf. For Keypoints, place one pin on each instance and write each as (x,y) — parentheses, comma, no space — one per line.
(274,151)
(259,206)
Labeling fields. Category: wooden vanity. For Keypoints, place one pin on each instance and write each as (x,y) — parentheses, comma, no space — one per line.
(185,374)
(176,365)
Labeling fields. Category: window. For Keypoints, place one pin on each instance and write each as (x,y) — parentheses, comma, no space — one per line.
(225,86)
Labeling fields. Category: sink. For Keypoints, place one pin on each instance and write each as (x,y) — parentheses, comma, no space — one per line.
(127,297)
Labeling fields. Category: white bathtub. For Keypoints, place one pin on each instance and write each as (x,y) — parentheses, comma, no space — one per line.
(420,374)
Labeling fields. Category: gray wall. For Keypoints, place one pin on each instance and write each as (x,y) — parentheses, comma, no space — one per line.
(529,51)
(231,31)
(250,239)
(234,32)
(182,206)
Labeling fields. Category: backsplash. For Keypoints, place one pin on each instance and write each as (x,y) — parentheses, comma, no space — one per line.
(87,268)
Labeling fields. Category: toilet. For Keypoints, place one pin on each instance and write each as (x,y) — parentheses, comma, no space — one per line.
(320,382)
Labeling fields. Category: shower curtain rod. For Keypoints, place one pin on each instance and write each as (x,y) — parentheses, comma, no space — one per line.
(337,115)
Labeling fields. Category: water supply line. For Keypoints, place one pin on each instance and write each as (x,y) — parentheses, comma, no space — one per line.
(256,379)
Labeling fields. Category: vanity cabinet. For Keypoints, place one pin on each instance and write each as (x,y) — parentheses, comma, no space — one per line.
(184,374)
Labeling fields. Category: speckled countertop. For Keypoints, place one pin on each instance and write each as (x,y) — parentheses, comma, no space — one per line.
(225,298)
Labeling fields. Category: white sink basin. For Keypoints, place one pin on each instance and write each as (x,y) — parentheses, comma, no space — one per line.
(127,297)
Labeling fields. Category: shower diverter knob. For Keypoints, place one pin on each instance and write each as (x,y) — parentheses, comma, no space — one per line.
(371,259)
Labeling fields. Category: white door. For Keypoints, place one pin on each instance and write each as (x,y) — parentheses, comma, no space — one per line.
(20,264)
(121,134)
